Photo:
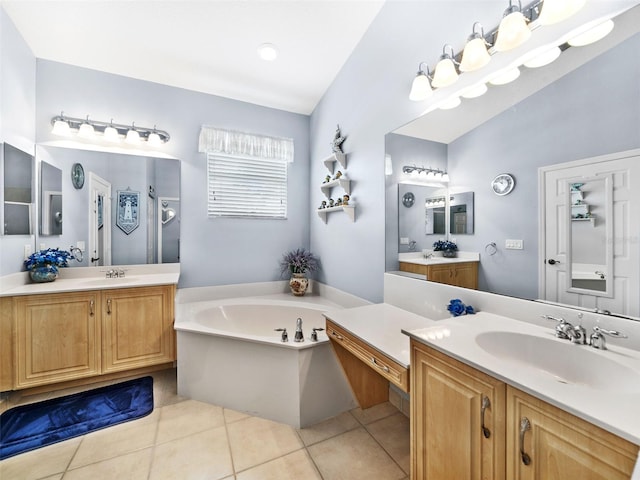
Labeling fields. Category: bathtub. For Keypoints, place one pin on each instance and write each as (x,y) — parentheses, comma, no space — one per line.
(229,355)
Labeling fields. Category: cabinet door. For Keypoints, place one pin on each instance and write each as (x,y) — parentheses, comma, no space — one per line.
(561,446)
(465,275)
(58,338)
(137,327)
(457,419)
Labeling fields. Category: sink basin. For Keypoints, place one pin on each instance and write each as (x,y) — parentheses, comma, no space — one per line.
(98,282)
(566,363)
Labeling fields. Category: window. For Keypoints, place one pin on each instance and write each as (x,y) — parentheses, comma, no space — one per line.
(246,186)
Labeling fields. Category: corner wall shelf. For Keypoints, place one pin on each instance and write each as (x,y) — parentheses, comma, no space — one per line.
(345,183)
(330,161)
(350,210)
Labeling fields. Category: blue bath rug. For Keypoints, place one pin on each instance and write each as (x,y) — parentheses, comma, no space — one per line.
(28,427)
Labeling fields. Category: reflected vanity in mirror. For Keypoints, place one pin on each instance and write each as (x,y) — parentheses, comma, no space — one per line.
(90,208)
(18,191)
(596,264)
(50,200)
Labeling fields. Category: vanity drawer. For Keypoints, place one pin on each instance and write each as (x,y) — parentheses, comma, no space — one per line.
(379,362)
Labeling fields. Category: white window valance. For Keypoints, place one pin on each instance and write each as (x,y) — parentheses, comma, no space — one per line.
(240,144)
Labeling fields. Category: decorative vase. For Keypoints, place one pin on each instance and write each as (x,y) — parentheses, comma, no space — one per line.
(437,253)
(43,273)
(449,253)
(298,284)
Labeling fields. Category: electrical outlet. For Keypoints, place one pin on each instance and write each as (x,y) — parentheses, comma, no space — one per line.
(510,244)
(28,250)
(43,246)
(404,240)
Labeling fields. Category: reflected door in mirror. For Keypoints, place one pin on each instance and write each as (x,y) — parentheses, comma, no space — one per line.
(100,221)
(50,200)
(17,189)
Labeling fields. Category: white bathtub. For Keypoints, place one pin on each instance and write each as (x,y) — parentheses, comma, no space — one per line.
(229,355)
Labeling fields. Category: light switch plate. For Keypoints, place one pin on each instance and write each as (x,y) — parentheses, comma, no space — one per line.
(80,245)
(28,250)
(404,240)
(510,244)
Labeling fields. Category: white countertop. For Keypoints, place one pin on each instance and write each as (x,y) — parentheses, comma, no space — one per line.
(72,279)
(419,259)
(612,407)
(380,326)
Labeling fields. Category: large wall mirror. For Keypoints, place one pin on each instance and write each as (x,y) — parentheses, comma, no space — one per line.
(17,191)
(119,209)
(578,110)
(50,200)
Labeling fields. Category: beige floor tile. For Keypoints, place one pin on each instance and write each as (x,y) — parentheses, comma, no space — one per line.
(203,455)
(295,466)
(394,436)
(45,461)
(374,413)
(231,416)
(117,440)
(186,418)
(132,466)
(255,440)
(329,428)
(53,477)
(354,455)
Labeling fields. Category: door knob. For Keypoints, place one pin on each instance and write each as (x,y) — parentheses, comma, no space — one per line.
(551,261)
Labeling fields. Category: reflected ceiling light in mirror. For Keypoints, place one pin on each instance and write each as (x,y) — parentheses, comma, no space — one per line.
(133,137)
(111,133)
(505,76)
(541,57)
(153,138)
(592,35)
(450,103)
(430,173)
(475,91)
(445,73)
(554,11)
(421,86)
(475,54)
(513,30)
(61,126)
(86,130)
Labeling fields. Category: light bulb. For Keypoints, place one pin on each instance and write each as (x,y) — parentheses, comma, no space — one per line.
(111,134)
(445,73)
(592,35)
(420,88)
(133,137)
(86,130)
(61,127)
(268,52)
(154,139)
(554,11)
(512,32)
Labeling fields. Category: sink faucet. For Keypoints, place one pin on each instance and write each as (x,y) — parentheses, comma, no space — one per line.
(597,338)
(566,331)
(299,337)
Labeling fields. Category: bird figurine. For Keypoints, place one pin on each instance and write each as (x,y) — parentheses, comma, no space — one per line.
(336,144)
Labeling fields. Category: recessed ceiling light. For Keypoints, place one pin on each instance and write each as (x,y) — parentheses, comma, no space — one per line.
(268,52)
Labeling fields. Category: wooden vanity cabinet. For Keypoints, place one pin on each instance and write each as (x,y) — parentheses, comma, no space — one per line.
(76,335)
(457,419)
(561,446)
(459,274)
(447,439)
(57,338)
(137,327)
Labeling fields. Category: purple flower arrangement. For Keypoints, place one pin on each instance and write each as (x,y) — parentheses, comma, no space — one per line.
(298,261)
(457,308)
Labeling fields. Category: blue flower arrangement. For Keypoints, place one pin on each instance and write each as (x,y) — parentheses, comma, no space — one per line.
(50,256)
(442,245)
(457,308)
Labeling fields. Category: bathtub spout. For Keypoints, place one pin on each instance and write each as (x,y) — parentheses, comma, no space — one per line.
(299,337)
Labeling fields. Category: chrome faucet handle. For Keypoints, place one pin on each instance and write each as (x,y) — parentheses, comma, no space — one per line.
(285,335)
(580,337)
(597,339)
(561,327)
(314,333)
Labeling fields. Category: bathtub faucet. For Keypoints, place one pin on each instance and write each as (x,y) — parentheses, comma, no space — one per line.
(285,336)
(314,333)
(299,336)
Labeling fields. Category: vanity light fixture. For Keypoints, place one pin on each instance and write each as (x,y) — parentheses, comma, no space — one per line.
(435,173)
(133,137)
(421,86)
(592,35)
(445,73)
(475,54)
(554,11)
(113,132)
(513,30)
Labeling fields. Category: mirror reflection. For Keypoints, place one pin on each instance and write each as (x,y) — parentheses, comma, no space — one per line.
(552,126)
(50,200)
(142,234)
(461,213)
(17,190)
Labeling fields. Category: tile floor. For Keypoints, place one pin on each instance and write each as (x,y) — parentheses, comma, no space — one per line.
(186,439)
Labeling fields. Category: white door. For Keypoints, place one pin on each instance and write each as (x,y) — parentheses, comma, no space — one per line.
(615,257)
(99,221)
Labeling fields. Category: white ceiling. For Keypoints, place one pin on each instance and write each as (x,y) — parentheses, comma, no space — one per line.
(203,45)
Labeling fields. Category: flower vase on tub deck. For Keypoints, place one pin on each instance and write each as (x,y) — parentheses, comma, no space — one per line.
(43,265)
(298,263)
